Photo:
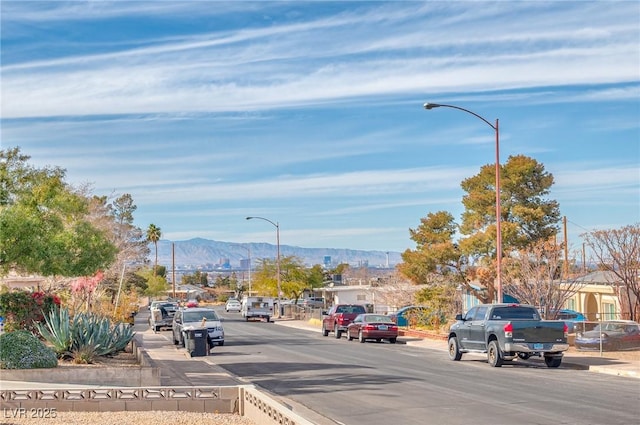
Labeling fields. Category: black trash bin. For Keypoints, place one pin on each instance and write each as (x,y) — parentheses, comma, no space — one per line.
(197,342)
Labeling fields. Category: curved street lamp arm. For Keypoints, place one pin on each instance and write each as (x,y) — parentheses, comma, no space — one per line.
(265,219)
(438,105)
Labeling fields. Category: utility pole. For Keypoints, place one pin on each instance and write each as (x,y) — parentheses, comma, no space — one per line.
(566,248)
(173,268)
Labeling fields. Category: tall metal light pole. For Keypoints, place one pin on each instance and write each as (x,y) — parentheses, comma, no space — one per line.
(495,127)
(277,226)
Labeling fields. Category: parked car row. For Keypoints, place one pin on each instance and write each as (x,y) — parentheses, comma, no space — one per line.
(611,335)
(310,302)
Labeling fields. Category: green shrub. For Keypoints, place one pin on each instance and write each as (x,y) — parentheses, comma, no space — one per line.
(23,310)
(22,350)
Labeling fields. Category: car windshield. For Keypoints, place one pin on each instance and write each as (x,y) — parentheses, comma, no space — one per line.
(196,316)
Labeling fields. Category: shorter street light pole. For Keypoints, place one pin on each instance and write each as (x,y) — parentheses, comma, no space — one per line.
(495,127)
(277,226)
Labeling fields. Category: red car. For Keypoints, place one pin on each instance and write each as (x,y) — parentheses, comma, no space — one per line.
(372,326)
(192,303)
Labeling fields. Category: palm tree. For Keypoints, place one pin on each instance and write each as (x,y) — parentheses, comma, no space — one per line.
(153,235)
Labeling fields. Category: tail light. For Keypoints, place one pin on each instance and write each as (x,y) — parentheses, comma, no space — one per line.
(566,331)
(508,330)
(370,327)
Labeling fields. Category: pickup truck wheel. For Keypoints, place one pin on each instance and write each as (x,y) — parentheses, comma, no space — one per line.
(349,337)
(361,337)
(338,332)
(325,332)
(552,361)
(494,356)
(454,350)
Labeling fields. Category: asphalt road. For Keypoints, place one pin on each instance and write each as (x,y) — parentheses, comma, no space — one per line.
(381,384)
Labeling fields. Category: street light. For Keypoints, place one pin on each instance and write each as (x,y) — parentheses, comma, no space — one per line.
(495,127)
(277,226)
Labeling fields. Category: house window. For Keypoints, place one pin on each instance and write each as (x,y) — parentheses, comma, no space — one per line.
(609,311)
(571,304)
(361,297)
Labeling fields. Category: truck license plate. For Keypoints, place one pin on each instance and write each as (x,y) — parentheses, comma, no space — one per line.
(538,346)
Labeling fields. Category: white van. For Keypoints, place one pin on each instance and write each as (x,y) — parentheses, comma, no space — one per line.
(257,308)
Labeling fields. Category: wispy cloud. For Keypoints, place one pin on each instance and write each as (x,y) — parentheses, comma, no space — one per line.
(311,111)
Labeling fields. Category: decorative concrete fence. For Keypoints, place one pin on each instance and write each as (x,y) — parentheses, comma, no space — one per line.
(245,400)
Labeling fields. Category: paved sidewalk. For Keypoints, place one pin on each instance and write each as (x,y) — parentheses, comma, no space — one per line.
(620,363)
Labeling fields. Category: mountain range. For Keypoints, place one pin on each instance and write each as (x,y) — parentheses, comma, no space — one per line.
(200,252)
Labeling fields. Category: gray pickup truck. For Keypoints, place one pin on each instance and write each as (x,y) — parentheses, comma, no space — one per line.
(508,332)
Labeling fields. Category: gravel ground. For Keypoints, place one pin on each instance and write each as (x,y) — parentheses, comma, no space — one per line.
(129,418)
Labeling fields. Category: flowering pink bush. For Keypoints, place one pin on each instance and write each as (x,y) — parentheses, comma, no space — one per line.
(83,288)
(86,284)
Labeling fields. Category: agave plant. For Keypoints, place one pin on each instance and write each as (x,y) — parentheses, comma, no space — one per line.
(84,336)
(91,330)
(120,337)
(56,330)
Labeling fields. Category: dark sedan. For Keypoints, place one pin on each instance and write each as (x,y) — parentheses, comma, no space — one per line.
(611,336)
(372,326)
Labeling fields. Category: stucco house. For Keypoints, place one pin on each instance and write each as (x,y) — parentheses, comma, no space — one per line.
(597,295)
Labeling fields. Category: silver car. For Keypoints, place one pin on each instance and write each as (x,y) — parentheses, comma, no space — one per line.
(187,319)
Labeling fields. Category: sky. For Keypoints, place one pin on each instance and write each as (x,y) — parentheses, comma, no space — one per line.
(310,114)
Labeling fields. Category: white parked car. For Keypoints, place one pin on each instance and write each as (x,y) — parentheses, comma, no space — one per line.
(196,318)
(233,305)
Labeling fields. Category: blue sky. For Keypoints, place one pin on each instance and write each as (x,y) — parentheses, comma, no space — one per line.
(310,114)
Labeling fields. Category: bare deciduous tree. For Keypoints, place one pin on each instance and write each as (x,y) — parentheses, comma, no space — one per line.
(395,292)
(533,276)
(618,251)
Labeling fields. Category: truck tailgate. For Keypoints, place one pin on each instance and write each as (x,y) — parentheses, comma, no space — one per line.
(538,331)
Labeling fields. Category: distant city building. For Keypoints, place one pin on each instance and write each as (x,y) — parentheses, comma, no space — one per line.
(245,263)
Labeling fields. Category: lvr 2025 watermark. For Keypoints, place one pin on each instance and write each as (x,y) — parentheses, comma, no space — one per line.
(35,413)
